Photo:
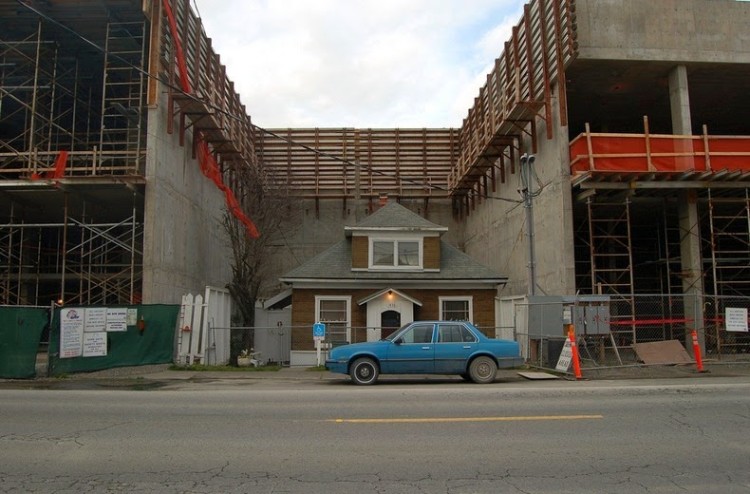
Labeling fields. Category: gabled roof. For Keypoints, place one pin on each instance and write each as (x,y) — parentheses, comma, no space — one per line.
(335,264)
(395,217)
(382,292)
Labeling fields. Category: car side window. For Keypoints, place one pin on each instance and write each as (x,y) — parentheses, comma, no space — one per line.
(418,334)
(454,333)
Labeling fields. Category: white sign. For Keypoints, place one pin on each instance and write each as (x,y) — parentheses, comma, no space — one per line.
(71,332)
(96,319)
(566,357)
(117,319)
(735,319)
(95,344)
(132,318)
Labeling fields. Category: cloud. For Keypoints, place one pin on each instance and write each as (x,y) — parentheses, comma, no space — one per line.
(358,63)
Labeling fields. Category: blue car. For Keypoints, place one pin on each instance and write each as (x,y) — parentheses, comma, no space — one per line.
(427,347)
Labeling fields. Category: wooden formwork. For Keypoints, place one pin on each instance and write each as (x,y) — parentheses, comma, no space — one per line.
(213,106)
(360,163)
(516,90)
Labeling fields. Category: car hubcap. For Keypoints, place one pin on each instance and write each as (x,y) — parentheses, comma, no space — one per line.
(364,372)
(483,370)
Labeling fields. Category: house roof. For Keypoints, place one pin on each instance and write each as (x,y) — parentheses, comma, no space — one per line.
(395,217)
(335,264)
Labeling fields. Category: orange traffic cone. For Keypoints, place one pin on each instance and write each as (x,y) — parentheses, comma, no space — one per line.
(574,349)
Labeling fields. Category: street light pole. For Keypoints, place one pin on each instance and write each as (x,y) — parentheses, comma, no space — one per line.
(527,160)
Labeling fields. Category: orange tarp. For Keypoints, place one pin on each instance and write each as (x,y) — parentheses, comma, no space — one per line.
(658,153)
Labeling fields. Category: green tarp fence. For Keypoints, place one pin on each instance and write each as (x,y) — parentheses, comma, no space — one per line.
(146,336)
(20,331)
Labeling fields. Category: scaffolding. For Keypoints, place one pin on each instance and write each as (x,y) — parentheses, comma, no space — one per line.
(72,160)
(729,236)
(124,92)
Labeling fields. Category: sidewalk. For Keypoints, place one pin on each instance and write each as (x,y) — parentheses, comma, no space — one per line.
(163,372)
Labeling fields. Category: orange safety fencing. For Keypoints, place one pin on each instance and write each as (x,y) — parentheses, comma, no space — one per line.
(659,153)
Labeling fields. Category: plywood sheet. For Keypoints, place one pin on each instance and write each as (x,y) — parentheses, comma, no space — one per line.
(537,375)
(662,352)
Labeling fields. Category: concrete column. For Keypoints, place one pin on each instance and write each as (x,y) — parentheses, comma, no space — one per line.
(679,100)
(689,221)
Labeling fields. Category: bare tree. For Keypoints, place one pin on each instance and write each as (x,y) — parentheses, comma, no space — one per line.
(271,211)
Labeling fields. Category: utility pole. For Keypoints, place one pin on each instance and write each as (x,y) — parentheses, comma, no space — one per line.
(527,160)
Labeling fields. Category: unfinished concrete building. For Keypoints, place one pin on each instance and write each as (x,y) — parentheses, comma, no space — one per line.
(634,114)
(103,197)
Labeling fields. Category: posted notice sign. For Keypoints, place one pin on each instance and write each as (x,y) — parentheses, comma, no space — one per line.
(71,332)
(735,319)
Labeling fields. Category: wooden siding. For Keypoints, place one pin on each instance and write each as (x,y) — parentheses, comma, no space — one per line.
(303,310)
(431,259)
(360,252)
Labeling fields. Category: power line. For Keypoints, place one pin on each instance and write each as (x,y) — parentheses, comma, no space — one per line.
(243,118)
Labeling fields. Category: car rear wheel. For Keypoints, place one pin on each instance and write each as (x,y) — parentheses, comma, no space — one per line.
(483,370)
(364,371)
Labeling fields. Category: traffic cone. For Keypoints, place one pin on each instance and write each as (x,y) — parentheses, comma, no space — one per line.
(574,350)
(697,352)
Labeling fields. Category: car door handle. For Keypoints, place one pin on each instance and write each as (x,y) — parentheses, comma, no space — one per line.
(425,348)
(467,347)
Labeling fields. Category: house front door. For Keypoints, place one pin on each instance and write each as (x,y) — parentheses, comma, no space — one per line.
(386,313)
(390,321)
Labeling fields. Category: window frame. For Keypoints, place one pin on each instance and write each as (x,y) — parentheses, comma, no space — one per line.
(394,241)
(348,300)
(454,298)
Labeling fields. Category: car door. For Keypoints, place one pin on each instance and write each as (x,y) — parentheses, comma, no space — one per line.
(411,352)
(455,343)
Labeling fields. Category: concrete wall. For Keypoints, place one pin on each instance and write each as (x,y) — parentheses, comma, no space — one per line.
(496,230)
(675,30)
(184,246)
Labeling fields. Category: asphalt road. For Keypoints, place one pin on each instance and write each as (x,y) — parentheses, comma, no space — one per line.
(681,436)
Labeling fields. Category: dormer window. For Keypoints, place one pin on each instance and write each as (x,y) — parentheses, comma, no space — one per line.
(393,253)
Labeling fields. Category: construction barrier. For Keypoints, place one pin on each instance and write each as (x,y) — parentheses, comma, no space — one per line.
(147,338)
(20,333)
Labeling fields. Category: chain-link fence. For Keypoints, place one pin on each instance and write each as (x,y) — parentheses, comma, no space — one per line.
(609,330)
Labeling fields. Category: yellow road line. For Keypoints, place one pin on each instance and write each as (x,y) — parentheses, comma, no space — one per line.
(464,419)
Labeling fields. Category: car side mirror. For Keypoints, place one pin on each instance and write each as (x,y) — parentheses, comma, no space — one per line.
(398,341)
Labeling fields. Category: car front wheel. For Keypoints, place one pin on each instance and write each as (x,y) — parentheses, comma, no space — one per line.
(483,370)
(364,371)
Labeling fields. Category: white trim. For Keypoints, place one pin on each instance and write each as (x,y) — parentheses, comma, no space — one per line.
(348,299)
(366,230)
(277,298)
(379,293)
(395,239)
(330,284)
(463,298)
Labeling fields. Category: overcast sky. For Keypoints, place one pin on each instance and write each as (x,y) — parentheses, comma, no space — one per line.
(358,63)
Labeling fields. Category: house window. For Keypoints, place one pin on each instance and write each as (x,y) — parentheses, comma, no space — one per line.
(456,308)
(396,253)
(335,312)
